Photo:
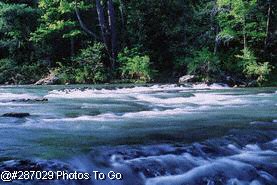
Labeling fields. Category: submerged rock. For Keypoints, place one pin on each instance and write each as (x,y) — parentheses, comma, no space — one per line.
(20,165)
(31,100)
(253,83)
(240,157)
(187,78)
(32,165)
(16,114)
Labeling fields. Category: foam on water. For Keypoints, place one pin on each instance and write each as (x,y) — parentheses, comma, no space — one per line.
(253,147)
(263,122)
(274,141)
(244,157)
(107,93)
(212,86)
(247,165)
(167,96)
(101,117)
(241,166)
(131,115)
(198,98)
(14,104)
(158,113)
(215,161)
(199,163)
(222,166)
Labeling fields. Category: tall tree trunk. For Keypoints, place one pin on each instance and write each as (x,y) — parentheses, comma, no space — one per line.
(102,24)
(72,47)
(244,34)
(123,23)
(244,41)
(216,43)
(83,26)
(112,26)
(121,8)
(184,25)
(214,26)
(267,25)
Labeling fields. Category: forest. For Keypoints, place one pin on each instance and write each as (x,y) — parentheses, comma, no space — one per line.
(139,41)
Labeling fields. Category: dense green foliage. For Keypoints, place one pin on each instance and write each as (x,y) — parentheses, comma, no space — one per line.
(86,41)
(134,66)
(203,63)
(86,67)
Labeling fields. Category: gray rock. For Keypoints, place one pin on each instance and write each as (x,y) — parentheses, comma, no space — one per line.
(186,79)
(51,79)
(16,114)
(31,100)
(253,83)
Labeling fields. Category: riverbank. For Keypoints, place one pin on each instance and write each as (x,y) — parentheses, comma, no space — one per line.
(189,80)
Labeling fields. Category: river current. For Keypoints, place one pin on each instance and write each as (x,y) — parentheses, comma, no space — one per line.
(152,135)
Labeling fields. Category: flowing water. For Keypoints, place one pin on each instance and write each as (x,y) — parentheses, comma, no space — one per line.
(152,135)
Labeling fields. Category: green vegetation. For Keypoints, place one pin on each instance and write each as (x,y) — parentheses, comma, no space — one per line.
(83,41)
(86,67)
(204,64)
(134,66)
(253,69)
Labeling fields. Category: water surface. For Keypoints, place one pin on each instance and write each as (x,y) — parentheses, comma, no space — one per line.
(159,134)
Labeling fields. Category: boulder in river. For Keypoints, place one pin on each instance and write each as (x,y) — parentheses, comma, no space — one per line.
(187,78)
(16,114)
(253,83)
(51,79)
(31,100)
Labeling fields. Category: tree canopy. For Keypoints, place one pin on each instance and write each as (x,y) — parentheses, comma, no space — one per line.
(84,41)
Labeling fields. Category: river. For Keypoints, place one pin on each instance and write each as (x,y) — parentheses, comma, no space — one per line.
(152,135)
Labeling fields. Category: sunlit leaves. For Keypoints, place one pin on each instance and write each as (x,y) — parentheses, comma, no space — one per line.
(134,65)
(58,18)
(236,19)
(241,21)
(251,66)
(14,24)
(203,63)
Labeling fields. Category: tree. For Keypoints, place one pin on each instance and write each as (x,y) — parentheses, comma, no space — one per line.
(17,53)
(15,31)
(159,29)
(108,30)
(239,19)
(58,23)
(237,36)
(243,22)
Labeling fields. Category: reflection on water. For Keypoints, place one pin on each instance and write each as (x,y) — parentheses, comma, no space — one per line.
(153,135)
